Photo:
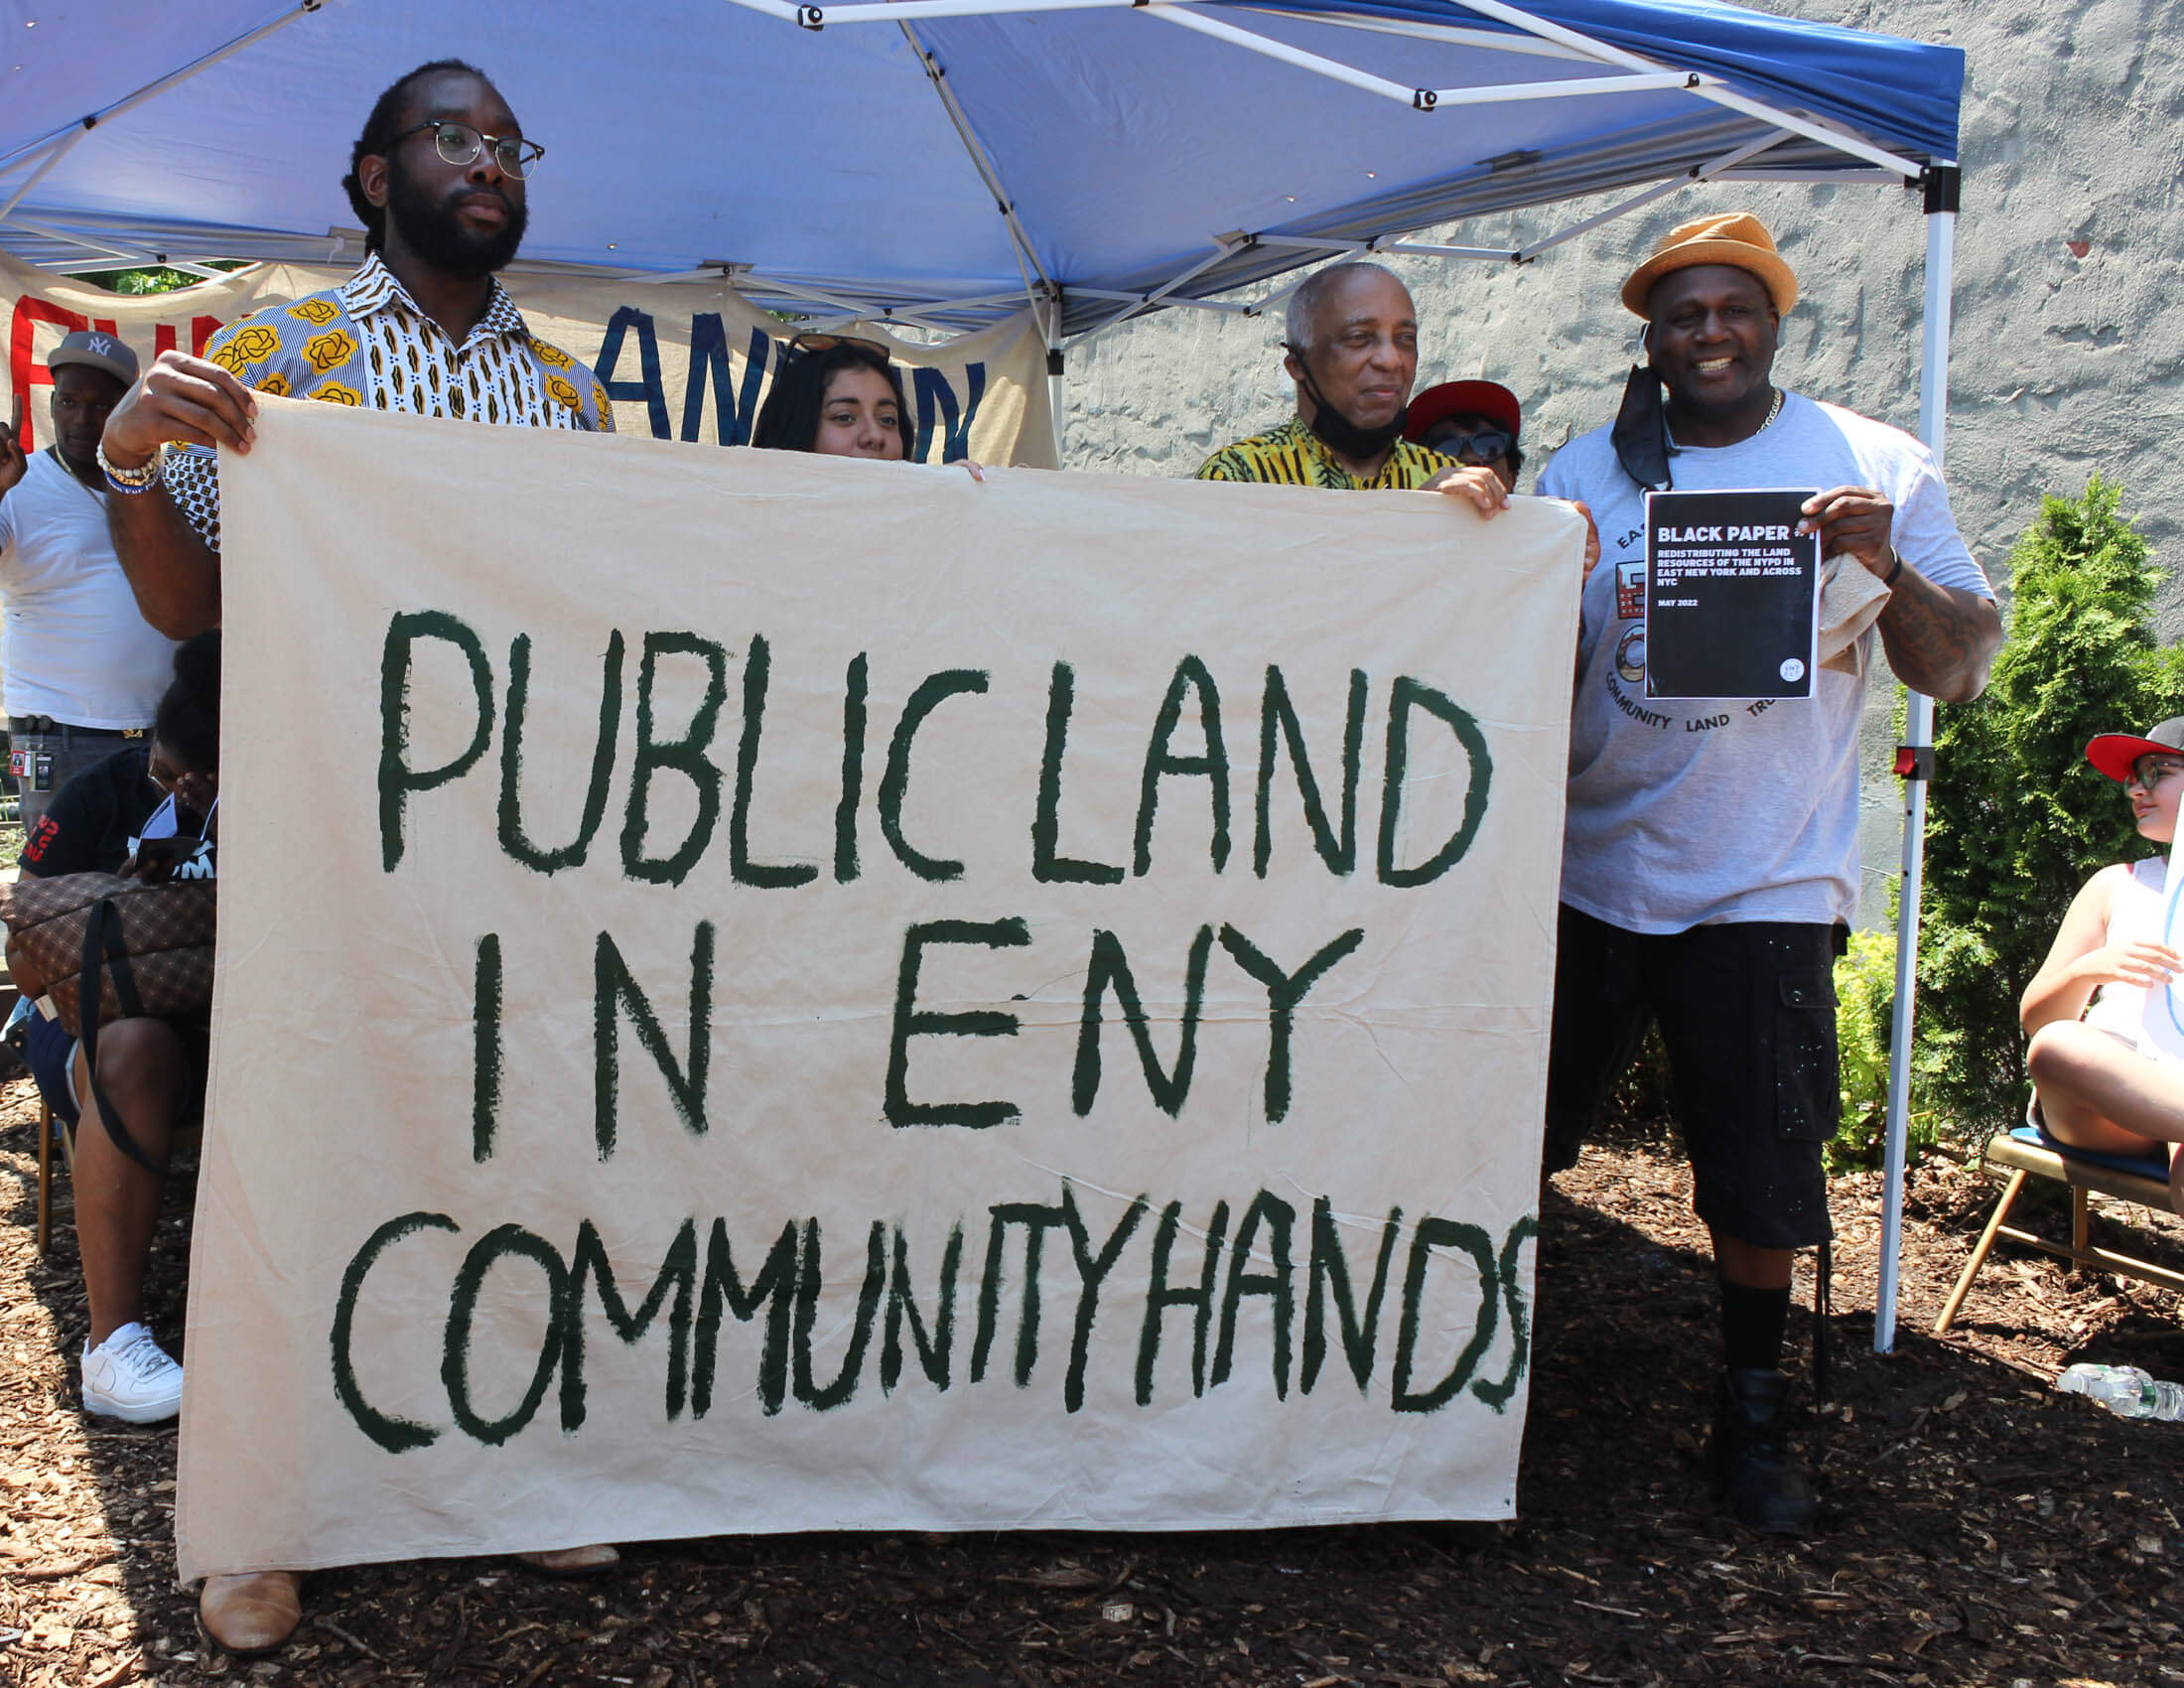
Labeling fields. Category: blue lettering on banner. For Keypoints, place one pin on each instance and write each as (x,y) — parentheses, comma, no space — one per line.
(944,418)
(933,392)
(649,388)
(734,410)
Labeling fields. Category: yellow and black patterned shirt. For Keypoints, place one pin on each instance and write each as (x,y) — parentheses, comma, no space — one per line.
(1294,456)
(366,343)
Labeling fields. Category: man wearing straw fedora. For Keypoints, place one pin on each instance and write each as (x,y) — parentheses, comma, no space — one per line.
(1710,865)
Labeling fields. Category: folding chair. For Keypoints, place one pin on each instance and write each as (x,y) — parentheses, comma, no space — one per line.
(50,1129)
(2029,1153)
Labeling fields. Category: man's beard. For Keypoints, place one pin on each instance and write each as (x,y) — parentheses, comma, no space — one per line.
(435,232)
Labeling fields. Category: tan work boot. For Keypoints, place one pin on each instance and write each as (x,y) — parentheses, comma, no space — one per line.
(252,1612)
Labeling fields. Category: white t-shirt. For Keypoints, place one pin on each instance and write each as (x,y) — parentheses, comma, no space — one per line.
(1687,813)
(73,643)
(2134,916)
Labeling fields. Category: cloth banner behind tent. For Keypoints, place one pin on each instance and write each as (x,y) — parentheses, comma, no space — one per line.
(762,992)
(682,361)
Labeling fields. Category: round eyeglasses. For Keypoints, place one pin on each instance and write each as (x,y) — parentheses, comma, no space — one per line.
(459,143)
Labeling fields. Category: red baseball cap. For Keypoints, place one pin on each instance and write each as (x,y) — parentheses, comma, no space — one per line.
(1489,399)
(2116,754)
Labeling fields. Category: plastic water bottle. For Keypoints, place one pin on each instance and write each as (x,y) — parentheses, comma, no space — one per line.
(2125,1391)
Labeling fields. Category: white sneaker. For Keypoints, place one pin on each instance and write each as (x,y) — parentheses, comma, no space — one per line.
(130,1376)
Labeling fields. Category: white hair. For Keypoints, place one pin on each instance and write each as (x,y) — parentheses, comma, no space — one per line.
(1297,321)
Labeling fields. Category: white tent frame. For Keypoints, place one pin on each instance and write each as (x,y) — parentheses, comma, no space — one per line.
(1626,72)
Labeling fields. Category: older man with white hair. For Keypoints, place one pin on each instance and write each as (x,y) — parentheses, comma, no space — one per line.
(1352,351)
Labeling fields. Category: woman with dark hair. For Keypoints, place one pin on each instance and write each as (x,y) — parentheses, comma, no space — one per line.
(837,396)
(135,813)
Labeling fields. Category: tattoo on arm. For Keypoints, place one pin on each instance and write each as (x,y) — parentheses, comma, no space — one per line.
(1940,640)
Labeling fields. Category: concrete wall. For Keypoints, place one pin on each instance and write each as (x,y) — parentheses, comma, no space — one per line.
(2069,346)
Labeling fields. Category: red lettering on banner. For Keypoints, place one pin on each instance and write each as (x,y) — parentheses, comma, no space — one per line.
(23,372)
(202,330)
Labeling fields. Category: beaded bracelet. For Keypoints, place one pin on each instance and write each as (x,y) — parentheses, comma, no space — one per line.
(130,482)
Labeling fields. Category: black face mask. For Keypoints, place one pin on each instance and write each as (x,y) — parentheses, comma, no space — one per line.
(1641,432)
(1338,432)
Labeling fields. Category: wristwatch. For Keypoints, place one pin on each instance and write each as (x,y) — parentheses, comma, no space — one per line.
(129,482)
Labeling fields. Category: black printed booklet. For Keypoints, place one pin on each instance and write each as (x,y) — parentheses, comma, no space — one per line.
(1732,595)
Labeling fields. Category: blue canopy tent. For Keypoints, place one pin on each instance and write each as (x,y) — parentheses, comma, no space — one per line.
(945,163)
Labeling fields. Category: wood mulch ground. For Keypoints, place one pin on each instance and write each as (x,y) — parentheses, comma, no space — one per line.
(1979,1527)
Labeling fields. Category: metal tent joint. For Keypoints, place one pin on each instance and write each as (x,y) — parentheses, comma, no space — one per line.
(1424,99)
(1942,187)
(814,18)
(1915,761)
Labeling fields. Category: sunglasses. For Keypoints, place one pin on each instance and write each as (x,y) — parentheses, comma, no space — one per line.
(1482,446)
(815,343)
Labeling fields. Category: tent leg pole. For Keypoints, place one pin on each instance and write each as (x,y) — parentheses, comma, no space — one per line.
(1941,187)
(1055,395)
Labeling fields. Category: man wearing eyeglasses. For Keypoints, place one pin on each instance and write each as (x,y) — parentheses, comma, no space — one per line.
(437,179)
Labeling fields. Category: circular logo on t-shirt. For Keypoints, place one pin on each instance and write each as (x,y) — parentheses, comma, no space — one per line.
(1793,668)
(1630,655)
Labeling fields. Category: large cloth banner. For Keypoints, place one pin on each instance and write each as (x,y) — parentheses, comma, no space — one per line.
(762,992)
(681,360)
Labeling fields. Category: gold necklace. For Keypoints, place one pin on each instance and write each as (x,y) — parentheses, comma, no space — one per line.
(1773,410)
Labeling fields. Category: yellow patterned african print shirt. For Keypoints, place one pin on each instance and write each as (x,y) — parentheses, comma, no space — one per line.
(368,343)
(1294,456)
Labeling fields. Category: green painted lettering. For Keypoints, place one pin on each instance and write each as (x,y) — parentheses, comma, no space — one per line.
(397,780)
(912,1022)
(1410,694)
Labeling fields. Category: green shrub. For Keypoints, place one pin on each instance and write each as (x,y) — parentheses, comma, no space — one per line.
(1865,996)
(1643,1102)
(2016,818)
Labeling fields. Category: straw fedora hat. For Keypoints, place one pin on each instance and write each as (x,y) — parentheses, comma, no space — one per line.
(1736,239)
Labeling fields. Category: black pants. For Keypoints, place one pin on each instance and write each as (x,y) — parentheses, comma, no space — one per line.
(1747,1012)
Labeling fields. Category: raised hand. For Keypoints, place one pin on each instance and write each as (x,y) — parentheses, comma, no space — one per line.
(179,398)
(14,462)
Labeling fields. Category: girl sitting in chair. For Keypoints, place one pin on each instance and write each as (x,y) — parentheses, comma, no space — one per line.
(2099,1082)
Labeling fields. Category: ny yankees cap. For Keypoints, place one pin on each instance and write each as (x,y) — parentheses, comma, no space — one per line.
(95,349)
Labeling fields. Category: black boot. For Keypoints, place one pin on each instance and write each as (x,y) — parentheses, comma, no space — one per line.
(1754,1467)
